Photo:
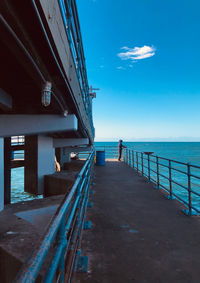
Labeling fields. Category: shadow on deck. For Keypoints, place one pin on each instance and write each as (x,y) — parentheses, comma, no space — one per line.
(137,235)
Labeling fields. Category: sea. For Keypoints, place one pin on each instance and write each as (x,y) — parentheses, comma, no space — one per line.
(187,152)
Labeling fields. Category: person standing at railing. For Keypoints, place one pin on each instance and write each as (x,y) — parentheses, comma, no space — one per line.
(120,147)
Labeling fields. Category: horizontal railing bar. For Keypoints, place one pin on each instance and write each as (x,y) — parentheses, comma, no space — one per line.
(195,193)
(179,185)
(164,176)
(194,176)
(178,170)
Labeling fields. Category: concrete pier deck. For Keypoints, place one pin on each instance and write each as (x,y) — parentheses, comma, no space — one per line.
(138,235)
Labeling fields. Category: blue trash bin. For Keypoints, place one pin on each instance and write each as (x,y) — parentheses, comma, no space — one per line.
(100,158)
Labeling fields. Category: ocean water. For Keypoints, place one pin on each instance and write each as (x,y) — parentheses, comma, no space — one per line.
(179,151)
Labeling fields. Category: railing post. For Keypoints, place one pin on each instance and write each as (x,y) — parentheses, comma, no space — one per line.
(137,160)
(62,241)
(157,170)
(189,189)
(133,159)
(129,157)
(170,181)
(149,169)
(142,163)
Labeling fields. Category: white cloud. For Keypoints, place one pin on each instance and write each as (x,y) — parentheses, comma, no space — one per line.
(137,53)
(121,68)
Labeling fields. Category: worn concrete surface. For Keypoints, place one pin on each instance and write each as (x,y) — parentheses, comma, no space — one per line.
(22,226)
(138,235)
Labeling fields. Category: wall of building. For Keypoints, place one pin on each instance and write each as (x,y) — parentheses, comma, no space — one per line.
(46,160)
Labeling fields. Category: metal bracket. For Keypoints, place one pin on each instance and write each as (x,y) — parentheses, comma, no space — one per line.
(170,197)
(157,188)
(90,204)
(87,225)
(189,212)
(82,265)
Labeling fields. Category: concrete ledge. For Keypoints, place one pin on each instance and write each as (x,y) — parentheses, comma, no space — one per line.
(20,235)
(58,183)
(61,182)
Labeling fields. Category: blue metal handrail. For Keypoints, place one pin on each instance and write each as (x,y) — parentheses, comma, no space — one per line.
(64,232)
(180,180)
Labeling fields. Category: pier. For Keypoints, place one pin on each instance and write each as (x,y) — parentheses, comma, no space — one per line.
(122,222)
(137,234)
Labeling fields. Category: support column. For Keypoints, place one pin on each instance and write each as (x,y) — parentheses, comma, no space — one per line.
(64,156)
(1,174)
(7,170)
(39,161)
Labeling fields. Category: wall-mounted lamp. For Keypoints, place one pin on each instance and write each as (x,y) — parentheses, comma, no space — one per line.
(46,94)
(91,91)
(65,113)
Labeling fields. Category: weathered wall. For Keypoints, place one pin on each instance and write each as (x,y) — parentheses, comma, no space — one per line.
(39,161)
(46,159)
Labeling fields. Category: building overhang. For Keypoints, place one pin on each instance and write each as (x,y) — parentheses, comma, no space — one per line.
(69,142)
(15,125)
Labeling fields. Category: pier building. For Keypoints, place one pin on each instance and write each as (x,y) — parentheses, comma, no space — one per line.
(44,92)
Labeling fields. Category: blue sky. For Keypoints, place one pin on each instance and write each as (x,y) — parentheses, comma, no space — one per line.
(144,56)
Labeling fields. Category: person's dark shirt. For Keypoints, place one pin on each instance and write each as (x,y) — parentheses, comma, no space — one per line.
(120,145)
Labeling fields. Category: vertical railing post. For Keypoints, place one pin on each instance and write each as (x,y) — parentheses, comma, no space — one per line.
(137,160)
(129,157)
(157,170)
(133,159)
(170,180)
(149,169)
(142,163)
(126,156)
(189,189)
(62,241)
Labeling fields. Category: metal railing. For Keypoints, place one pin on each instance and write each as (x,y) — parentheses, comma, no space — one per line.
(180,180)
(72,27)
(111,152)
(60,246)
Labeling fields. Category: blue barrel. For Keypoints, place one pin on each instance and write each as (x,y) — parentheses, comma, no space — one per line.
(100,158)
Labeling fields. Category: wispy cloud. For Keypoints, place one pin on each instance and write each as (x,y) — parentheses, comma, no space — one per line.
(121,68)
(137,53)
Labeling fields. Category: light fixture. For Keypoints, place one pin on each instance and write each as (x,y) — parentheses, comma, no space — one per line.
(65,113)
(46,94)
